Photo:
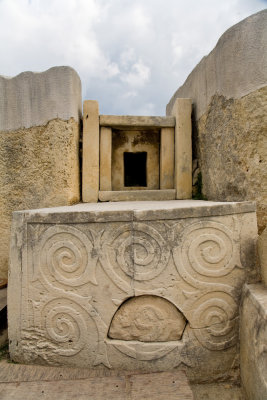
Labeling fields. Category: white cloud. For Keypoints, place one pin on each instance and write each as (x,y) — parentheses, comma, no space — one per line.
(138,75)
(130,54)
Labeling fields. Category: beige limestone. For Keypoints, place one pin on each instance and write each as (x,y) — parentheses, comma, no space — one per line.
(262,251)
(73,267)
(232,150)
(135,141)
(147,319)
(233,69)
(105,158)
(35,98)
(253,342)
(137,195)
(39,144)
(39,166)
(229,95)
(166,158)
(182,109)
(90,166)
(128,121)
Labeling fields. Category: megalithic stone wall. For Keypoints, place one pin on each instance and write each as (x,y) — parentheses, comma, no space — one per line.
(39,144)
(229,94)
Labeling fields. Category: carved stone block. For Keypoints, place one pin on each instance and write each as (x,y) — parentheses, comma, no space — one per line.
(143,285)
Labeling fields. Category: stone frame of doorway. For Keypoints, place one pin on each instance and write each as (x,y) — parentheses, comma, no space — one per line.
(175,153)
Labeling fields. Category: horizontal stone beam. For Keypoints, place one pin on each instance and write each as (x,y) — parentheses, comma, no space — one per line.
(122,121)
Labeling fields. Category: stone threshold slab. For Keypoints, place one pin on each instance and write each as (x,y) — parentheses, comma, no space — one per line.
(136,211)
(137,195)
(66,383)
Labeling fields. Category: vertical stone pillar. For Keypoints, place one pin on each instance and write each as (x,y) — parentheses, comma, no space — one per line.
(166,158)
(262,250)
(90,165)
(183,148)
(105,158)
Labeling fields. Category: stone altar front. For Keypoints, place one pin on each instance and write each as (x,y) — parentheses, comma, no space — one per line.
(134,285)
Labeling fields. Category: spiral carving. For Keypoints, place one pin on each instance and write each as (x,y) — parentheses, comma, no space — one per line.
(65,326)
(64,256)
(208,249)
(214,320)
(141,252)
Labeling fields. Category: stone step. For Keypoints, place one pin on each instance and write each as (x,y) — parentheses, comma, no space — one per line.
(19,382)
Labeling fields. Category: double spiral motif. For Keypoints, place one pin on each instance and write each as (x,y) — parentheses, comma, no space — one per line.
(64,256)
(207,249)
(65,326)
(141,251)
(214,322)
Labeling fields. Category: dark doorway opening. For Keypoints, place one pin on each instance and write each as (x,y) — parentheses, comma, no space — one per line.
(135,168)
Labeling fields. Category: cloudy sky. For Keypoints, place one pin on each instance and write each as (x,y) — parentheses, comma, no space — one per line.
(131,55)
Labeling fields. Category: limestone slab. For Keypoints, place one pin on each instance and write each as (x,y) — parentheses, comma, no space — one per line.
(166,158)
(105,158)
(229,95)
(69,384)
(253,342)
(234,68)
(35,98)
(73,268)
(182,110)
(122,121)
(137,195)
(39,144)
(262,250)
(90,166)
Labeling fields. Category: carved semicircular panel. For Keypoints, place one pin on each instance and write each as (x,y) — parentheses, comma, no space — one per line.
(147,319)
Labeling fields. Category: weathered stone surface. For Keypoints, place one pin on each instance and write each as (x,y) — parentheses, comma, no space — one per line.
(147,319)
(262,250)
(137,195)
(253,342)
(39,144)
(135,142)
(105,158)
(35,98)
(232,150)
(90,164)
(73,267)
(128,121)
(233,69)
(182,109)
(166,169)
(229,95)
(39,166)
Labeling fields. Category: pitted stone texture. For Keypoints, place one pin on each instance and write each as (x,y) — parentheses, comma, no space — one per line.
(147,319)
(39,166)
(73,267)
(34,98)
(253,342)
(228,91)
(39,144)
(232,150)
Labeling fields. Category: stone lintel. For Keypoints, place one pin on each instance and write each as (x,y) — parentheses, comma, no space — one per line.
(131,121)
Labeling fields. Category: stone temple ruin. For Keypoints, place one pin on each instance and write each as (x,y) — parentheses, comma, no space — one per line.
(112,263)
